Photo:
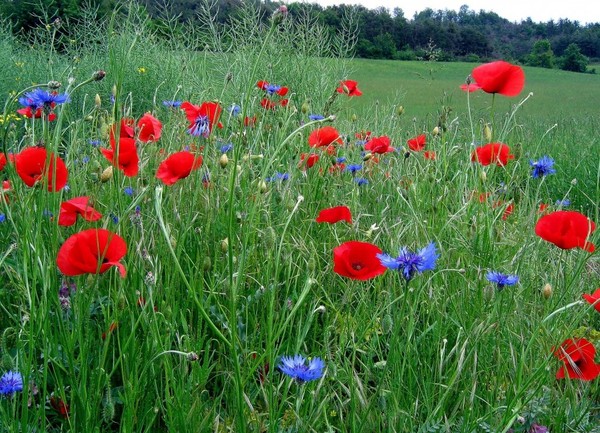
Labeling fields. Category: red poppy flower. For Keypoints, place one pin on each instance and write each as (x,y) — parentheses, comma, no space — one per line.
(379,144)
(593,299)
(59,406)
(149,128)
(29,113)
(417,143)
(77,206)
(566,230)
(178,166)
(357,260)
(250,121)
(6,188)
(578,358)
(429,154)
(202,118)
(324,137)
(91,251)
(469,88)
(499,77)
(333,215)
(308,160)
(126,159)
(493,153)
(125,129)
(508,211)
(32,166)
(2,161)
(349,87)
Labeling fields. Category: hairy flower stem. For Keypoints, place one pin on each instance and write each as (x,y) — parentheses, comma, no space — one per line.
(163,228)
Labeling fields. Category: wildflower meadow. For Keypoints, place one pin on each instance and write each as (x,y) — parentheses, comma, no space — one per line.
(209,233)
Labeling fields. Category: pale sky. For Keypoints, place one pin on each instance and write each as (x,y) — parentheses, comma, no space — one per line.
(584,11)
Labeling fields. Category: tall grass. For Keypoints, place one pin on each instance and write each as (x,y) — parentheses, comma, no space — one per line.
(227,270)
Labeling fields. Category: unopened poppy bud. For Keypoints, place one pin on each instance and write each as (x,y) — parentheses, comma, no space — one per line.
(107,174)
(547,291)
(312,265)
(354,117)
(114,90)
(574,182)
(367,156)
(436,131)
(400,110)
(406,155)
(305,108)
(229,77)
(262,186)
(206,264)
(173,242)
(482,176)
(225,245)
(487,132)
(98,75)
(387,324)
(89,118)
(223,160)
(97,101)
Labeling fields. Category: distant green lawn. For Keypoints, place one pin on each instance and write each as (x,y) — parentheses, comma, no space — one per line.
(420,86)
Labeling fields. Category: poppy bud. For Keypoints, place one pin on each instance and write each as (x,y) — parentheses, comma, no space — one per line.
(487,132)
(107,174)
(305,108)
(97,101)
(436,131)
(482,176)
(225,245)
(387,324)
(206,264)
(262,186)
(98,75)
(354,117)
(312,265)
(320,309)
(223,160)
(89,118)
(367,156)
(547,291)
(400,110)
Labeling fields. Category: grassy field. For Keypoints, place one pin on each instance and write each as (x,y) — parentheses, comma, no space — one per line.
(176,307)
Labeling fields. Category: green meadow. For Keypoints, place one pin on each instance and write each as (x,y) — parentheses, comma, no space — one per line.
(199,290)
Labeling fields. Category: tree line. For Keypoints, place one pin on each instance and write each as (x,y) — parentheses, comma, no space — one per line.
(444,35)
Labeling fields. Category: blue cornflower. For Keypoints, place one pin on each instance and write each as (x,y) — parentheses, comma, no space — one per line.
(226,147)
(47,213)
(128,191)
(316,117)
(408,262)
(234,110)
(340,160)
(94,143)
(542,167)
(42,99)
(272,88)
(85,159)
(2,217)
(11,382)
(360,181)
(200,127)
(353,168)
(502,280)
(114,218)
(172,104)
(563,203)
(296,368)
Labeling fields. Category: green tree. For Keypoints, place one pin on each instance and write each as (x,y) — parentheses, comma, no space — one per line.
(541,55)
(573,60)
